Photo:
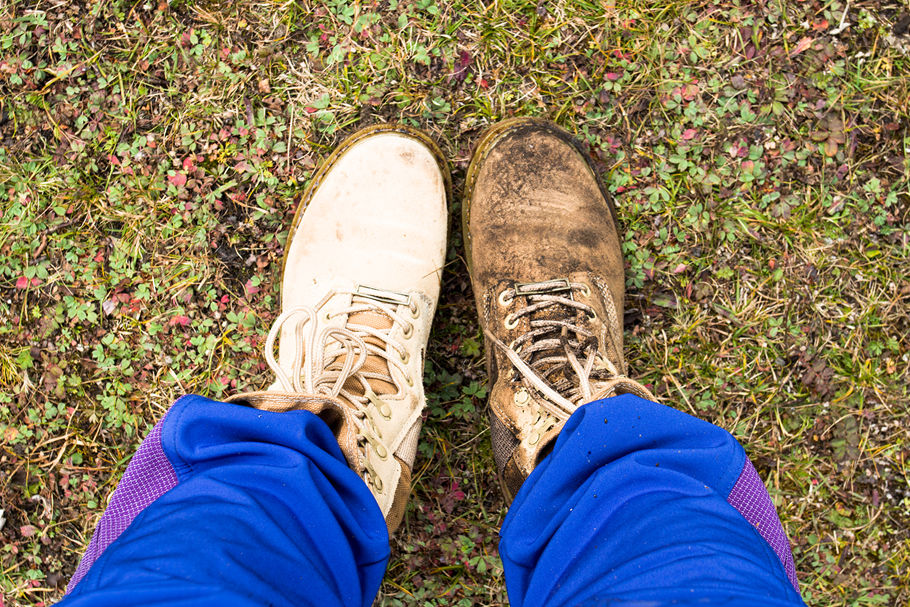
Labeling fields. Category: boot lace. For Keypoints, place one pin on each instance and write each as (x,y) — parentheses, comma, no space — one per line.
(333,361)
(559,356)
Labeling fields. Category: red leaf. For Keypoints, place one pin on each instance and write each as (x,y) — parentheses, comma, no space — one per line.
(612,76)
(27,530)
(178,180)
(462,64)
(180,320)
(801,45)
(688,134)
(251,289)
(22,283)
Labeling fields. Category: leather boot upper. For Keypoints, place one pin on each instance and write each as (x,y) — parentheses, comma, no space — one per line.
(546,265)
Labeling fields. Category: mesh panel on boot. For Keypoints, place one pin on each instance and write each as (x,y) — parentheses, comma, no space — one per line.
(407,450)
(504,442)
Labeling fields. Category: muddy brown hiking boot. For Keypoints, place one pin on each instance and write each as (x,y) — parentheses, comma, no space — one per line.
(360,285)
(544,256)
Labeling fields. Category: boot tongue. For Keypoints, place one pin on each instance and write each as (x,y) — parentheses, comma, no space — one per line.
(374,364)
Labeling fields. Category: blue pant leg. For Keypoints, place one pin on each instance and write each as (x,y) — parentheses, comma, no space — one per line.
(231,506)
(641,504)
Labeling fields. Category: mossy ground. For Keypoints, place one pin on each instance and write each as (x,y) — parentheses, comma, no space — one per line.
(152,155)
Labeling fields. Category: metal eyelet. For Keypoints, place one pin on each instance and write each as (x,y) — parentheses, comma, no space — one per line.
(511,321)
(409,381)
(534,438)
(385,410)
(585,290)
(521,397)
(415,311)
(381,451)
(592,316)
(405,357)
(503,301)
(408,331)
(377,482)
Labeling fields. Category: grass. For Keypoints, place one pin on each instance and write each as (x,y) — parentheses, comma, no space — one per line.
(151,156)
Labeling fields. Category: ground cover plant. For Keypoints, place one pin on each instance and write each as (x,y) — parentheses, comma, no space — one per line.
(152,155)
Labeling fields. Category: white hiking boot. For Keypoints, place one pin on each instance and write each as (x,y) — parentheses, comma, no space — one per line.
(361,280)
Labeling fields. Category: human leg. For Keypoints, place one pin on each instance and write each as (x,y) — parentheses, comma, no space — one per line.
(642,502)
(224,504)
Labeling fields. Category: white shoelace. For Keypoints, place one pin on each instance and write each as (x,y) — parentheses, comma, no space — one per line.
(562,344)
(316,353)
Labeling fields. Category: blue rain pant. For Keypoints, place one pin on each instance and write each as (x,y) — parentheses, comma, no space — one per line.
(638,504)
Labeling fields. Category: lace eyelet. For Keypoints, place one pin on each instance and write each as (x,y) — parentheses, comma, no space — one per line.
(377,482)
(409,381)
(408,331)
(405,358)
(592,316)
(534,438)
(415,311)
(503,301)
(381,451)
(511,321)
(585,290)
(327,317)
(522,397)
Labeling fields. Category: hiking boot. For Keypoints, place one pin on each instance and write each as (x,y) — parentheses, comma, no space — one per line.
(544,255)
(360,284)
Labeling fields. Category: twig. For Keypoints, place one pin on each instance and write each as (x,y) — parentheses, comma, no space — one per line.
(843,18)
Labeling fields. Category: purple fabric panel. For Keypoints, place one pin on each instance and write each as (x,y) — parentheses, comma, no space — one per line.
(148,476)
(750,497)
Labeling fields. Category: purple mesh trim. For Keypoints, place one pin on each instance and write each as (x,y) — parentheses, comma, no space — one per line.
(750,497)
(148,476)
